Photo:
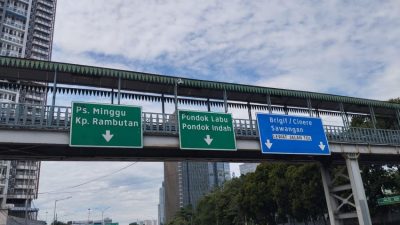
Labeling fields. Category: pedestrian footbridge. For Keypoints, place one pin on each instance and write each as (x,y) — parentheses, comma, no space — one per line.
(42,133)
(369,130)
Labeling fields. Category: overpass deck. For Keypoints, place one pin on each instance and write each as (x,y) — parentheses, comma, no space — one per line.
(34,131)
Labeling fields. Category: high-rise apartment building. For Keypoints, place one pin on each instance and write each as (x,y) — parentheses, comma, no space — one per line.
(186,182)
(27,32)
(27,28)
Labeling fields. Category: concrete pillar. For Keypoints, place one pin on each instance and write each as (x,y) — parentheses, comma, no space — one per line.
(357,187)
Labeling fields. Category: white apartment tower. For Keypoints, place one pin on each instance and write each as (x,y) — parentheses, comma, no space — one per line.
(26,32)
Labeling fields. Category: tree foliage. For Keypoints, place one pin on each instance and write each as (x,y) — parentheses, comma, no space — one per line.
(271,195)
(379,180)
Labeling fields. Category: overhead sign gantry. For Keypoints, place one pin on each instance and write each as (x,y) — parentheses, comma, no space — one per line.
(281,134)
(104,125)
(206,131)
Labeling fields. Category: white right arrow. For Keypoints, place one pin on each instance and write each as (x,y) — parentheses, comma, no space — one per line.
(321,145)
(268,144)
(108,135)
(208,139)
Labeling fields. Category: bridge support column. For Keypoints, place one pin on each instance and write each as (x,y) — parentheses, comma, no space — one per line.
(344,192)
(357,187)
(329,196)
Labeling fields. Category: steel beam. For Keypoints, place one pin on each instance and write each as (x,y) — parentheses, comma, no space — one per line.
(309,106)
(225,101)
(345,119)
(177,82)
(250,116)
(357,186)
(330,200)
(269,104)
(119,90)
(373,118)
(398,117)
(163,107)
(53,101)
(112,96)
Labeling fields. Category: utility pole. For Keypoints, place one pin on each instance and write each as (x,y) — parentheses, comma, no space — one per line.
(55,207)
(102,215)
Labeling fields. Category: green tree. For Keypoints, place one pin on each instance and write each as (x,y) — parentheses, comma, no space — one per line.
(58,223)
(378,178)
(257,202)
(134,223)
(221,206)
(183,217)
(306,195)
(278,184)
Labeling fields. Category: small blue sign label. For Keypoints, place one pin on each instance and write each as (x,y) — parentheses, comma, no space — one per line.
(281,134)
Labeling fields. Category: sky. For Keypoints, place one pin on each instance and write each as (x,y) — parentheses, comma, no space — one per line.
(348,47)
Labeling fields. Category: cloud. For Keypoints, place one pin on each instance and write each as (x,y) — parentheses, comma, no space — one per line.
(131,194)
(328,46)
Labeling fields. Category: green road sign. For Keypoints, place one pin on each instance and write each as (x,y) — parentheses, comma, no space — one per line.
(206,131)
(104,125)
(389,200)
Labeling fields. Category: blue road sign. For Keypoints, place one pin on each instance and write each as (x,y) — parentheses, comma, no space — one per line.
(281,134)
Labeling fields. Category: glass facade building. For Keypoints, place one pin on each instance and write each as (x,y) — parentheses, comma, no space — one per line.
(187,182)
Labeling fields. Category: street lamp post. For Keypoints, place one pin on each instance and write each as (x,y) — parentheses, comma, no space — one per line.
(88,217)
(102,215)
(55,207)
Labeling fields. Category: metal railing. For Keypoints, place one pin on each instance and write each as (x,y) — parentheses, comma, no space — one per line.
(13,115)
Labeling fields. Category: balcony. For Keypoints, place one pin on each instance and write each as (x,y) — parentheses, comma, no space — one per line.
(21,176)
(10,53)
(43,37)
(11,38)
(26,167)
(47,31)
(46,3)
(20,196)
(25,1)
(15,25)
(38,57)
(24,186)
(41,43)
(44,16)
(40,51)
(45,10)
(18,11)
(43,22)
